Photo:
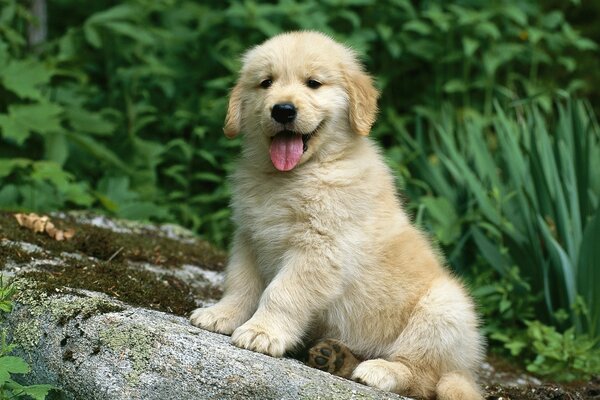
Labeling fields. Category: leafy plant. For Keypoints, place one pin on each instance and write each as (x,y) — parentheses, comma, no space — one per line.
(127,100)
(532,190)
(564,356)
(10,365)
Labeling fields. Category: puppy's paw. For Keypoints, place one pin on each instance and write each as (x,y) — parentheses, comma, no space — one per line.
(260,338)
(332,356)
(219,319)
(384,375)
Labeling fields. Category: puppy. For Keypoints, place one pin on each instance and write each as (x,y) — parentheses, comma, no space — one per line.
(322,247)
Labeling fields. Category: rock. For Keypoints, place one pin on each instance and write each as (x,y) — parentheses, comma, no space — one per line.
(103,316)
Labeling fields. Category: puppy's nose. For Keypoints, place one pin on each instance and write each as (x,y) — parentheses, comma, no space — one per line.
(283,112)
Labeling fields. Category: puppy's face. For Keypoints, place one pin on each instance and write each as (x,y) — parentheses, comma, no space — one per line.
(299,95)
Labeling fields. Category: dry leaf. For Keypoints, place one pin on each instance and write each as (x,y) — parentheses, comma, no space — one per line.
(38,223)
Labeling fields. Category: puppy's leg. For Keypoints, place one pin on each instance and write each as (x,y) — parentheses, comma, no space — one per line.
(332,356)
(440,344)
(392,376)
(306,283)
(243,286)
(457,386)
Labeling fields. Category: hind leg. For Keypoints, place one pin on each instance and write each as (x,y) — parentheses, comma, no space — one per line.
(392,376)
(441,344)
(457,386)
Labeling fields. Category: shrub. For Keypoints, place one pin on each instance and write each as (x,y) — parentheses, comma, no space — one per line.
(123,105)
(528,191)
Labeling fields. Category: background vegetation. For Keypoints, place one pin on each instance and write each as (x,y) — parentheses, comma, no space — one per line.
(120,106)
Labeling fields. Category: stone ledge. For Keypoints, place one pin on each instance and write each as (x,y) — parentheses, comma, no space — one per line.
(96,316)
(96,348)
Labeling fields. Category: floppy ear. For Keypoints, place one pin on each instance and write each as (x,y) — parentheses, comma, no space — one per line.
(363,101)
(233,120)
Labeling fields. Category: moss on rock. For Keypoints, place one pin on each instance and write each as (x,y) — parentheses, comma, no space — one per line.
(134,342)
(144,245)
(109,262)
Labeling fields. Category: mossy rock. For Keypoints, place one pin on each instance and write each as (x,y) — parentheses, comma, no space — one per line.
(104,316)
(162,268)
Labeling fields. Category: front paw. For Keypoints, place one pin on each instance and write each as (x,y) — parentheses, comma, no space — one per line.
(218,319)
(260,338)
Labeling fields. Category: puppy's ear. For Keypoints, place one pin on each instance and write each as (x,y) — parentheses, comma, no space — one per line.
(363,101)
(233,120)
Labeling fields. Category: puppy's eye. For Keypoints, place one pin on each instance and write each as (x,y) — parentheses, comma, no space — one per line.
(313,84)
(266,83)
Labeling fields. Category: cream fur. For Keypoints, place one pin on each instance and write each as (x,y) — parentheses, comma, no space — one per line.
(326,250)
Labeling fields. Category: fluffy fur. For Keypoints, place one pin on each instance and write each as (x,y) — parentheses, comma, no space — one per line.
(326,250)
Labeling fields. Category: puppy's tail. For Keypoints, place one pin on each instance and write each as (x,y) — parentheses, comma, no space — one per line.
(457,385)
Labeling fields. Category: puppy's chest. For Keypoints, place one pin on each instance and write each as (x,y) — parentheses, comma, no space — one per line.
(272,211)
(277,214)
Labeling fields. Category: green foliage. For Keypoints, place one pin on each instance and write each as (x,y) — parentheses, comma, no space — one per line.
(10,365)
(531,190)
(128,100)
(547,352)
(564,356)
(508,305)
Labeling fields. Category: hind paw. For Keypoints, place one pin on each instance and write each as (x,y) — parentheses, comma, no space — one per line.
(332,356)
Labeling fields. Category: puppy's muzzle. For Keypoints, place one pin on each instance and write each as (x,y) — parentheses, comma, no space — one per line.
(284,113)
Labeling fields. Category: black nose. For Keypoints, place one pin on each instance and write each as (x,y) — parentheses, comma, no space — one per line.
(283,112)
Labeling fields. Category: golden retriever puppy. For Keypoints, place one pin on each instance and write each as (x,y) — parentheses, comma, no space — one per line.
(322,246)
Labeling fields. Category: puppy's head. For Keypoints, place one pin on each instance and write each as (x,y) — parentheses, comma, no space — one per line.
(301,95)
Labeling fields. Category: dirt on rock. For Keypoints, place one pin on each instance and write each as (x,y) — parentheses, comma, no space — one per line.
(581,391)
(503,380)
(111,262)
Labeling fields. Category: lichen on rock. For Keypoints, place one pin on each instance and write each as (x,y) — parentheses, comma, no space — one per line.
(134,343)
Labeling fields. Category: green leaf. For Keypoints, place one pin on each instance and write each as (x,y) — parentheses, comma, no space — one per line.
(91,34)
(7,166)
(13,130)
(51,171)
(56,148)
(588,272)
(134,32)
(117,189)
(38,392)
(6,306)
(118,12)
(99,151)
(417,26)
(90,122)
(446,224)
(561,261)
(455,86)
(39,117)
(13,365)
(23,77)
(515,13)
(470,46)
(487,29)
(9,196)
(208,177)
(490,252)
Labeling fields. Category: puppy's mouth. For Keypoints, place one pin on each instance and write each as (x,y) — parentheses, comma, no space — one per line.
(287,148)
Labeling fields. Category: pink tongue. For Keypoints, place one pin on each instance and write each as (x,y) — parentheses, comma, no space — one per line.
(286,150)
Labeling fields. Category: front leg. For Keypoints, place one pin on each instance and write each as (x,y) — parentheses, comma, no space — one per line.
(306,283)
(243,286)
